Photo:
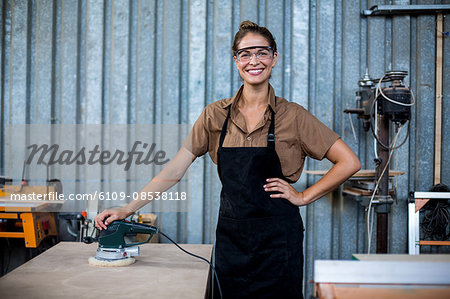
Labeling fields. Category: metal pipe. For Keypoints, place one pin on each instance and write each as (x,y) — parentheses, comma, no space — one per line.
(378,10)
(383,188)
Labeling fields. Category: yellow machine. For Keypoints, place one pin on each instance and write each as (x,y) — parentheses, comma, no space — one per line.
(29,220)
(3,182)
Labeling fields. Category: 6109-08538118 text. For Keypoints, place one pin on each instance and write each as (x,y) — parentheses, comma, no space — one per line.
(100,195)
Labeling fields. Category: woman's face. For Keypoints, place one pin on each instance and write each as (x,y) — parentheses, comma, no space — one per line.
(257,70)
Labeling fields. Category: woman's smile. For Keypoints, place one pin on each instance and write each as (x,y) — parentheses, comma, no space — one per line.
(255,72)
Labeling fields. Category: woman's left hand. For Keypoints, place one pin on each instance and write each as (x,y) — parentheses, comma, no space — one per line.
(285,190)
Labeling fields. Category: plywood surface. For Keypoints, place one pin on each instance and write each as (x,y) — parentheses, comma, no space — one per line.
(161,271)
(330,291)
(391,293)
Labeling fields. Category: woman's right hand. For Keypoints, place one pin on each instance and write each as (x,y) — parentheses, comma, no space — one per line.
(169,176)
(103,219)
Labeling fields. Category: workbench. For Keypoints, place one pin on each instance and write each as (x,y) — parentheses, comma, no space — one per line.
(34,218)
(161,271)
(383,276)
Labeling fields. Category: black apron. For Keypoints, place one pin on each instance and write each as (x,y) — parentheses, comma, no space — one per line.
(259,251)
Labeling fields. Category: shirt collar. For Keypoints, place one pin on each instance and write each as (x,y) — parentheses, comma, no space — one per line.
(235,99)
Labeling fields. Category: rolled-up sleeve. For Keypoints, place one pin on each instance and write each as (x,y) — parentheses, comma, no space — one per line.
(198,138)
(315,137)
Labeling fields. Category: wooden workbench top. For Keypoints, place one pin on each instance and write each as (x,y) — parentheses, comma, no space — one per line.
(161,271)
(9,205)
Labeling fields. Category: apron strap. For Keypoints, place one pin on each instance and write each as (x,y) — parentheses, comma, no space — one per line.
(224,128)
(270,135)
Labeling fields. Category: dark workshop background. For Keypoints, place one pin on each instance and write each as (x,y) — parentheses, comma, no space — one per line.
(149,61)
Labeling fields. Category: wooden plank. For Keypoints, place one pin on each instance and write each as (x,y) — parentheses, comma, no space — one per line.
(420,203)
(326,291)
(360,174)
(162,271)
(438,108)
(361,192)
(390,293)
(445,243)
(382,272)
(353,191)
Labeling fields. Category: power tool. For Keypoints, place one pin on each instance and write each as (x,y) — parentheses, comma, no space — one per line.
(113,251)
(111,242)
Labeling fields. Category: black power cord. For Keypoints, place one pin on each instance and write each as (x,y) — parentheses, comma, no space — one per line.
(387,147)
(435,222)
(197,256)
(437,216)
(91,239)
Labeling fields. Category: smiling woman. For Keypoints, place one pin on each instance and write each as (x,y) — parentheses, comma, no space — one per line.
(255,53)
(259,142)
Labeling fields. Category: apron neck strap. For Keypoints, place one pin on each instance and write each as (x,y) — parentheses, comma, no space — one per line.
(224,128)
(270,135)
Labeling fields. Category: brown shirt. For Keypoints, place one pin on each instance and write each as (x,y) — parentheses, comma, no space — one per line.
(297,133)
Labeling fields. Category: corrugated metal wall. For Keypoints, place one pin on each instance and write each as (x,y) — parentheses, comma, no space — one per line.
(149,61)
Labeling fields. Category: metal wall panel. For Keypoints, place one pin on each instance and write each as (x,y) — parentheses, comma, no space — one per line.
(148,61)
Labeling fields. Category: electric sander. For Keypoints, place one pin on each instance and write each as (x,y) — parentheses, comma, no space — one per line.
(113,250)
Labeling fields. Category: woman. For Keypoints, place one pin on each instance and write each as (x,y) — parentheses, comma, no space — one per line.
(259,142)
